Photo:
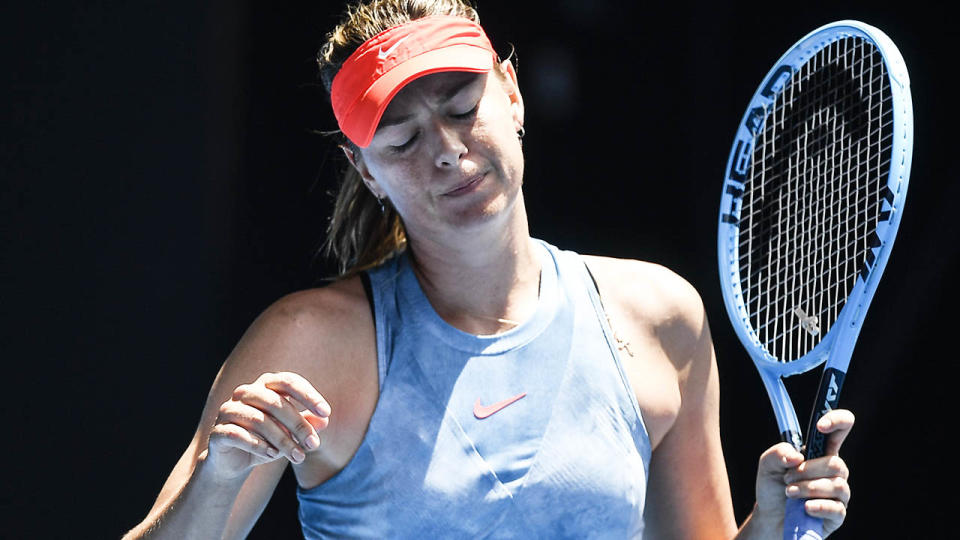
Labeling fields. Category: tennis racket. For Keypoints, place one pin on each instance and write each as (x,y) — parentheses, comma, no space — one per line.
(812,198)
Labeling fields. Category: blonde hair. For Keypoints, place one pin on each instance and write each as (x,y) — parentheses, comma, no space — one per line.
(362,233)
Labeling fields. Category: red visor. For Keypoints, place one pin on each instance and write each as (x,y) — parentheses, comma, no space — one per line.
(385,63)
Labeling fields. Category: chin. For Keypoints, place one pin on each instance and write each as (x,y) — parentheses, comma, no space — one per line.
(498,209)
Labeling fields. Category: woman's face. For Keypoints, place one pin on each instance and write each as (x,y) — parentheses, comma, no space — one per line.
(446,152)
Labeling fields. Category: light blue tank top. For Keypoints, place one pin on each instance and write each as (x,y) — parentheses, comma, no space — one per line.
(568,459)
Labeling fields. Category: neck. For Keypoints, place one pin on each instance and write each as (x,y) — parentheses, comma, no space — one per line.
(484,281)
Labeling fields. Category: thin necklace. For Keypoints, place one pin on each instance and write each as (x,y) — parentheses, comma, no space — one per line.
(486,317)
(497,319)
(510,321)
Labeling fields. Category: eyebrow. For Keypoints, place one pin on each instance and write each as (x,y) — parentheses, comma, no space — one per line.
(445,96)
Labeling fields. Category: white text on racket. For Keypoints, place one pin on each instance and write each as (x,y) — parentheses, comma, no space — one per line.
(833,391)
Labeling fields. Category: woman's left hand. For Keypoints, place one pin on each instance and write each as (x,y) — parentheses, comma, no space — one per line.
(784,474)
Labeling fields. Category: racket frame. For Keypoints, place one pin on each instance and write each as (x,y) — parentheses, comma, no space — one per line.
(837,346)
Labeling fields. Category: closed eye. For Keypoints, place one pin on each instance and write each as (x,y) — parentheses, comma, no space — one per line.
(399,149)
(469,114)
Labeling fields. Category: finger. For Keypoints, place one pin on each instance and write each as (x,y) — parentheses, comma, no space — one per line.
(821,488)
(235,436)
(831,512)
(778,459)
(281,412)
(837,424)
(774,463)
(263,424)
(822,467)
(318,422)
(297,387)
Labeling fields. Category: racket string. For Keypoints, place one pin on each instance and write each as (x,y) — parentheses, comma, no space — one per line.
(813,194)
(865,206)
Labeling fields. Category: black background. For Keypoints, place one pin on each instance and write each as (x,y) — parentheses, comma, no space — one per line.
(161,186)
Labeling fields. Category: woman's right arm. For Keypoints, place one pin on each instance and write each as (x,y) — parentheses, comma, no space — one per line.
(221,490)
(260,414)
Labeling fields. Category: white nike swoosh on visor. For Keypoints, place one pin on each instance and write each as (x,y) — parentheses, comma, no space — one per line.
(383,54)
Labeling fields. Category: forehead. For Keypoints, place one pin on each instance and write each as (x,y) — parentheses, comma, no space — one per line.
(436,88)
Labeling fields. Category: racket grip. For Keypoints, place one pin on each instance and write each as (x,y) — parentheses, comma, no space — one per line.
(797,525)
(795,519)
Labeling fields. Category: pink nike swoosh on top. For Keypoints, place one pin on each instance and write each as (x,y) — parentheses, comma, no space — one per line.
(481,411)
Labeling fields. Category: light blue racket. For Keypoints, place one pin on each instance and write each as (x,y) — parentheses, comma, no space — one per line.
(812,198)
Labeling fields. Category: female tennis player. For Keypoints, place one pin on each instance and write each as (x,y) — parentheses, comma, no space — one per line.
(462,379)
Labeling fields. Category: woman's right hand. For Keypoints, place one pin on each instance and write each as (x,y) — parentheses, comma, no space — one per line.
(275,417)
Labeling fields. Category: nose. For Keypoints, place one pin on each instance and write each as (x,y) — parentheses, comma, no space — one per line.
(451,147)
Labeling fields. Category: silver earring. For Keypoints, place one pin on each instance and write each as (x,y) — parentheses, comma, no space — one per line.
(383,210)
(521,132)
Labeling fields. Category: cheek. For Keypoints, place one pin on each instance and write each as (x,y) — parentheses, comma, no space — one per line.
(385,176)
(494,131)
(407,184)
(500,137)
(496,115)
(400,189)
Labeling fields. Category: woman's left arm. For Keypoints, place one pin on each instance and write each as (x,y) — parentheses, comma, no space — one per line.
(689,492)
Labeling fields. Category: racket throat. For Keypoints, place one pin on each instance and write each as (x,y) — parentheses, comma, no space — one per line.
(793,438)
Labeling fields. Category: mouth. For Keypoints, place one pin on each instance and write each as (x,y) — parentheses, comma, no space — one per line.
(467,186)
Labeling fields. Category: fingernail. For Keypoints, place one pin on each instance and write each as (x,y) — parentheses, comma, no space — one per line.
(824,423)
(322,409)
(298,455)
(312,442)
(792,490)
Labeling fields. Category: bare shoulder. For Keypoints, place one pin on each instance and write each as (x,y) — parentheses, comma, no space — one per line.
(652,291)
(653,299)
(329,316)
(324,334)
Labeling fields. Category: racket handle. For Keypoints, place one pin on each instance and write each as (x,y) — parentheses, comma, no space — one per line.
(797,525)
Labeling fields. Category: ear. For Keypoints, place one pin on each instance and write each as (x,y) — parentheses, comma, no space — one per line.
(363,170)
(513,91)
